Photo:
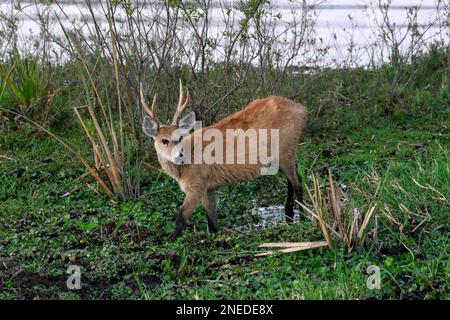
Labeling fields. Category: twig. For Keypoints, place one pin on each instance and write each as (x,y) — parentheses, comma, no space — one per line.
(6,157)
(293,247)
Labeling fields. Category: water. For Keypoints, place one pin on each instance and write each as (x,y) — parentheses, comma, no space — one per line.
(272,215)
(339,25)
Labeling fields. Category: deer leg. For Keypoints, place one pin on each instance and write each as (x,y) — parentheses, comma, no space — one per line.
(289,209)
(298,189)
(189,204)
(209,202)
(294,187)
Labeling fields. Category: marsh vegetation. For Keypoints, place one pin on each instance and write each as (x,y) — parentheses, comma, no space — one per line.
(80,184)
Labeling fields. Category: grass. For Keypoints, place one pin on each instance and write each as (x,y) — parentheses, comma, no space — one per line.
(53,214)
(52,217)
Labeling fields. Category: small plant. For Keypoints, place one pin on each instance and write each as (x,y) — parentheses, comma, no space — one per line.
(26,80)
(110,118)
(4,77)
(337,220)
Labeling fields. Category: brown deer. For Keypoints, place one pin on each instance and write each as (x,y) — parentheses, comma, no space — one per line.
(176,148)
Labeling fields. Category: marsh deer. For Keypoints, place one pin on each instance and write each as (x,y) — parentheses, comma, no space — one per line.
(176,149)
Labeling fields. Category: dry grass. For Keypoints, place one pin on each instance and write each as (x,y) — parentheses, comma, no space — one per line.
(289,247)
(109,123)
(337,220)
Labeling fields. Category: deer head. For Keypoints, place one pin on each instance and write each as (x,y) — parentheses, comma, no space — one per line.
(167,138)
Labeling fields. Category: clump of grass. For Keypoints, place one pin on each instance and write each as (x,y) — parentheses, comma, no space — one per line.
(338,221)
(111,119)
(5,75)
(26,80)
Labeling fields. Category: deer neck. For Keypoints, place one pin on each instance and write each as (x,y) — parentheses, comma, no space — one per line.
(170,168)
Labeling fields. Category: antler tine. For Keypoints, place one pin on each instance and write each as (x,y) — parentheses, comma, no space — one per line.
(180,99)
(151,112)
(181,105)
(143,102)
(154,108)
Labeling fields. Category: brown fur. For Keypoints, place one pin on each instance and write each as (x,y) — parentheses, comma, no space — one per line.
(200,181)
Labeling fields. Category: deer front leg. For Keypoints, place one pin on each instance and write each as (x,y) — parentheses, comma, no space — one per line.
(190,202)
(209,202)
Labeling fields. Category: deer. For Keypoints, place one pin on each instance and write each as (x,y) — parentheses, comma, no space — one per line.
(175,144)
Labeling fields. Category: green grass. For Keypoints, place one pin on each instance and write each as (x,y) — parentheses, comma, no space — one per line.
(124,249)
(52,215)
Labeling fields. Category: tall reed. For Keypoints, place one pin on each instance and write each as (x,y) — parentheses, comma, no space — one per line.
(338,222)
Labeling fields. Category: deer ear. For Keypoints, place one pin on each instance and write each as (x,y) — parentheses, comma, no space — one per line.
(187,122)
(150,126)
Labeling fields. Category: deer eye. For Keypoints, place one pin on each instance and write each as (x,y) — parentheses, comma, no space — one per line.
(181,138)
(165,141)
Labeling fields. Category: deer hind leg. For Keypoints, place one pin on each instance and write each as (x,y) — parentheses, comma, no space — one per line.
(289,209)
(209,202)
(190,202)
(294,187)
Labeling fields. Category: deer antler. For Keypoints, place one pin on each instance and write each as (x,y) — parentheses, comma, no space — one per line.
(181,105)
(151,112)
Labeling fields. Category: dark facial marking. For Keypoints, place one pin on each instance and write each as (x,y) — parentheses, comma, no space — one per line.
(176,141)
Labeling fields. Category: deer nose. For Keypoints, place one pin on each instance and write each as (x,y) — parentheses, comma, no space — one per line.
(181,155)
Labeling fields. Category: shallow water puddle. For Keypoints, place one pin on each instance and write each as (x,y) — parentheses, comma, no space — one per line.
(272,215)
